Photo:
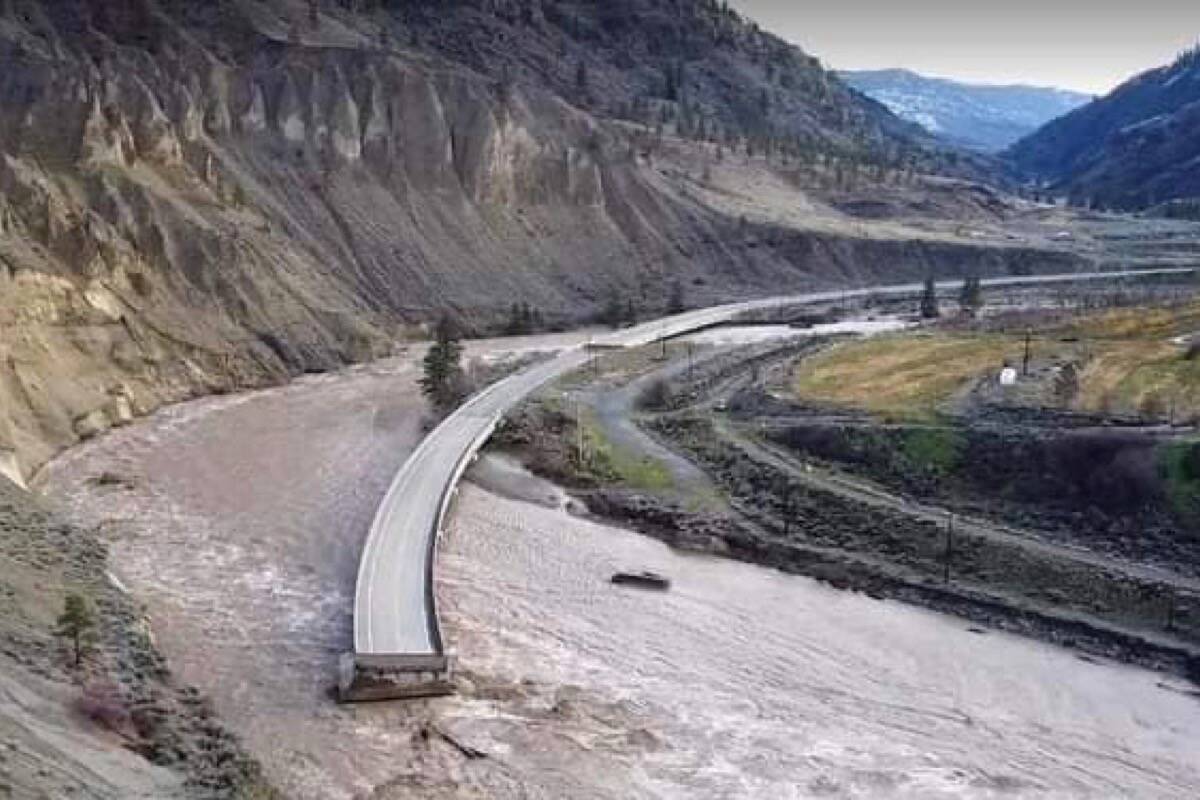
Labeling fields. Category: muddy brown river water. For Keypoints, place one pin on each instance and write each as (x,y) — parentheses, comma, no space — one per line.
(240,533)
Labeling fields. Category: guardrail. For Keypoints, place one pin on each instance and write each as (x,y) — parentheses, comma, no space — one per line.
(468,456)
(368,674)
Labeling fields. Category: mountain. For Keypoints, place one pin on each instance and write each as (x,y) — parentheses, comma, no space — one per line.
(1135,148)
(203,197)
(988,118)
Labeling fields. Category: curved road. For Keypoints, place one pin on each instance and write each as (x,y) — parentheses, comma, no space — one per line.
(395,612)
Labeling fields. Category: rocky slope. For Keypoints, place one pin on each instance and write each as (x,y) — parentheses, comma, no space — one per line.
(988,118)
(116,727)
(199,197)
(1132,149)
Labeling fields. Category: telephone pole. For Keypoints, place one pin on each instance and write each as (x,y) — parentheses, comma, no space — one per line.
(949,545)
(1028,344)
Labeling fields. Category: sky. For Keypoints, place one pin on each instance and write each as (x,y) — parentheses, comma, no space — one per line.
(1090,47)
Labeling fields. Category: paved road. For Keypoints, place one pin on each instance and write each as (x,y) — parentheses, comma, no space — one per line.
(394,607)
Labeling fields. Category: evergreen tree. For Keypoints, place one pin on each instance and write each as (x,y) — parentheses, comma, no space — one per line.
(76,624)
(675,302)
(971,296)
(581,78)
(929,300)
(443,381)
(514,326)
(613,312)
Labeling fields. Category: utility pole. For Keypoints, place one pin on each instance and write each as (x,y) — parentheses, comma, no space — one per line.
(787,507)
(691,347)
(1028,344)
(949,545)
(579,429)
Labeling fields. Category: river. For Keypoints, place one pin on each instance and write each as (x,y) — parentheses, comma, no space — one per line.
(238,521)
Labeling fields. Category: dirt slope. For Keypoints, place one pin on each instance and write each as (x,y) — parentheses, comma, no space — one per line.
(117,727)
(195,197)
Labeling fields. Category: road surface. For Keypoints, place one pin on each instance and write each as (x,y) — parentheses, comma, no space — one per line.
(395,611)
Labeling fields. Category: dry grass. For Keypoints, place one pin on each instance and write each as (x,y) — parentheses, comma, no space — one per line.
(1140,375)
(1135,365)
(903,376)
(1130,362)
(1140,323)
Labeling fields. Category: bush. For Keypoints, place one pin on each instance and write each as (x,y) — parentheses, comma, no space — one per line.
(656,396)
(1153,407)
(935,450)
(1191,463)
(102,703)
(1193,350)
(1118,474)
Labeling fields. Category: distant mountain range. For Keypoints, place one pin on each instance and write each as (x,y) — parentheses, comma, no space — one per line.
(1138,147)
(988,118)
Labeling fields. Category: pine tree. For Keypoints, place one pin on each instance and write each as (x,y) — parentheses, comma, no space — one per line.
(971,296)
(675,303)
(514,326)
(442,382)
(581,78)
(929,300)
(613,312)
(77,624)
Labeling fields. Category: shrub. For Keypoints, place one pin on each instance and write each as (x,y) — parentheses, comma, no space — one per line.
(656,396)
(102,703)
(1153,407)
(936,450)
(1190,463)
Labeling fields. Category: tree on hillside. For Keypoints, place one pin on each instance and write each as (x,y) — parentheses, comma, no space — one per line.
(77,625)
(443,382)
(523,319)
(929,300)
(971,296)
(614,312)
(631,314)
(675,302)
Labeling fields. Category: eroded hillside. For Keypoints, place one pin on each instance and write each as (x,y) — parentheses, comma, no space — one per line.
(201,197)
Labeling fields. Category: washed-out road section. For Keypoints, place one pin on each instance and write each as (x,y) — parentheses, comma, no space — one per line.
(399,650)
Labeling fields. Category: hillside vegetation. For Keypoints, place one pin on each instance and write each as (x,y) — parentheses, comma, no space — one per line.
(1133,149)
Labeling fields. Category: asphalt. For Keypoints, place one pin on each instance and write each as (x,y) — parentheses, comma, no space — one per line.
(395,611)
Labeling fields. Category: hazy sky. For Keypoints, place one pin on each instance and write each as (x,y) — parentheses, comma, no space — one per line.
(1073,44)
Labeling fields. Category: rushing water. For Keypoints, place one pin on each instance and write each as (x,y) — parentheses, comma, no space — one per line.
(745,682)
(240,530)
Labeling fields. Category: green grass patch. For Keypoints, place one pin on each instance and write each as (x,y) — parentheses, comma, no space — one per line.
(935,450)
(614,463)
(1181,468)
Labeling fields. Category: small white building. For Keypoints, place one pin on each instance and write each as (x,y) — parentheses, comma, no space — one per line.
(1008,377)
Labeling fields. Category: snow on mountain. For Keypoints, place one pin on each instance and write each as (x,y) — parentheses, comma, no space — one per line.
(982,117)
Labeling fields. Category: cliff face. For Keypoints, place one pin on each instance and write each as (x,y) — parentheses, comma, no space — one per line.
(198,197)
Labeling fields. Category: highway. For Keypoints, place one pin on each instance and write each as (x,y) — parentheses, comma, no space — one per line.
(395,611)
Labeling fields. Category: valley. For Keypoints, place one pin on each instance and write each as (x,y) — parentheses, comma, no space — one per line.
(887,387)
(552,699)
